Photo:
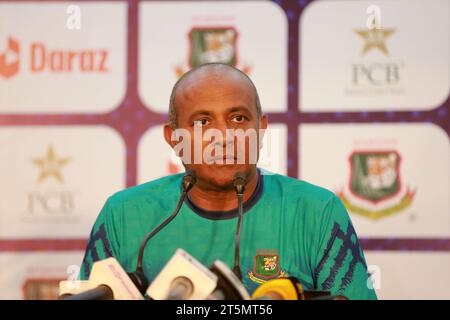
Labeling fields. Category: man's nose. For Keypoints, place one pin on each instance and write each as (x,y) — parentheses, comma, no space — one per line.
(226,132)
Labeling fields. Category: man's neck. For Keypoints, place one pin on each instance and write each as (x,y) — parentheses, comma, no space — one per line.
(223,200)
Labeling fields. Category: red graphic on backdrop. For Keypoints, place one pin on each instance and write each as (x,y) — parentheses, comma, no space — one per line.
(45,59)
(9,60)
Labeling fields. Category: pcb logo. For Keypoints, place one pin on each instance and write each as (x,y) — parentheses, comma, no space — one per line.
(212,44)
(375,177)
(266,266)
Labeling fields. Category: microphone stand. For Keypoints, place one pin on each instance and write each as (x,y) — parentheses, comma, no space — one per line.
(239,183)
(138,276)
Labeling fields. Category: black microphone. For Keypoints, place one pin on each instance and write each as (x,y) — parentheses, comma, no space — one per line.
(138,277)
(239,182)
(102,292)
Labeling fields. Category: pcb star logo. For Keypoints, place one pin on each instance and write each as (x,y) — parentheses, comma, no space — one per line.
(375,39)
(50,165)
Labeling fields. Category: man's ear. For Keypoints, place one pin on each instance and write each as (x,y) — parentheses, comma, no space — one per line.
(168,131)
(263,122)
(262,128)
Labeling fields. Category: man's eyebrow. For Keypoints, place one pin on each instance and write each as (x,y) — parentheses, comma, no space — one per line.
(238,108)
(200,112)
(210,113)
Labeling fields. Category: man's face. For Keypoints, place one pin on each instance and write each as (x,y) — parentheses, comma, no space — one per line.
(217,103)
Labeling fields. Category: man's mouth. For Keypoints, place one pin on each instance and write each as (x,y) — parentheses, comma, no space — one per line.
(223,159)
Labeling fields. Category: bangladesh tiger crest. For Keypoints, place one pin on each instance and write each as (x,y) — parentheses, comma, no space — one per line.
(212,44)
(375,177)
(266,266)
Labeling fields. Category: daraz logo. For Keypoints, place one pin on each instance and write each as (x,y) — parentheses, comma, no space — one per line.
(9,59)
(43,59)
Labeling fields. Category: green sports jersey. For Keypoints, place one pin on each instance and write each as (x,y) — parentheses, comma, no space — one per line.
(290,228)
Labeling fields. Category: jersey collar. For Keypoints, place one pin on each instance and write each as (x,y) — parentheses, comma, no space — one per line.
(230,214)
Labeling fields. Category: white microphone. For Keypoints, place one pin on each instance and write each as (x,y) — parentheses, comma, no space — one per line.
(107,281)
(229,287)
(183,278)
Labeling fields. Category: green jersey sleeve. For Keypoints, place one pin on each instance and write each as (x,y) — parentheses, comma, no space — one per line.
(341,267)
(103,240)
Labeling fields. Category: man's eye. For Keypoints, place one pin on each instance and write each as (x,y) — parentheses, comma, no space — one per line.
(238,119)
(201,122)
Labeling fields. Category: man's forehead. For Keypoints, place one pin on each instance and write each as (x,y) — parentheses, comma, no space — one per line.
(213,77)
(214,87)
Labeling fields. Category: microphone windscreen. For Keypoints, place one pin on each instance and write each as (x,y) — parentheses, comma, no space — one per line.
(189,179)
(239,179)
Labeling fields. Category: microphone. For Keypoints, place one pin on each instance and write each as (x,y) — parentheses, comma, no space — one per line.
(71,287)
(183,278)
(239,182)
(280,289)
(107,281)
(138,277)
(189,179)
(290,289)
(102,292)
(229,287)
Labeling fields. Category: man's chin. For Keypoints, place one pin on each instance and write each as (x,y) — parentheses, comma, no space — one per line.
(221,175)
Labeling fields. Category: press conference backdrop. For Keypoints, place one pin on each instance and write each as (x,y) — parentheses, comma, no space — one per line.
(357,94)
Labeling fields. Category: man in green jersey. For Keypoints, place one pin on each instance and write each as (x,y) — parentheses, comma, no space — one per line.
(290,227)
